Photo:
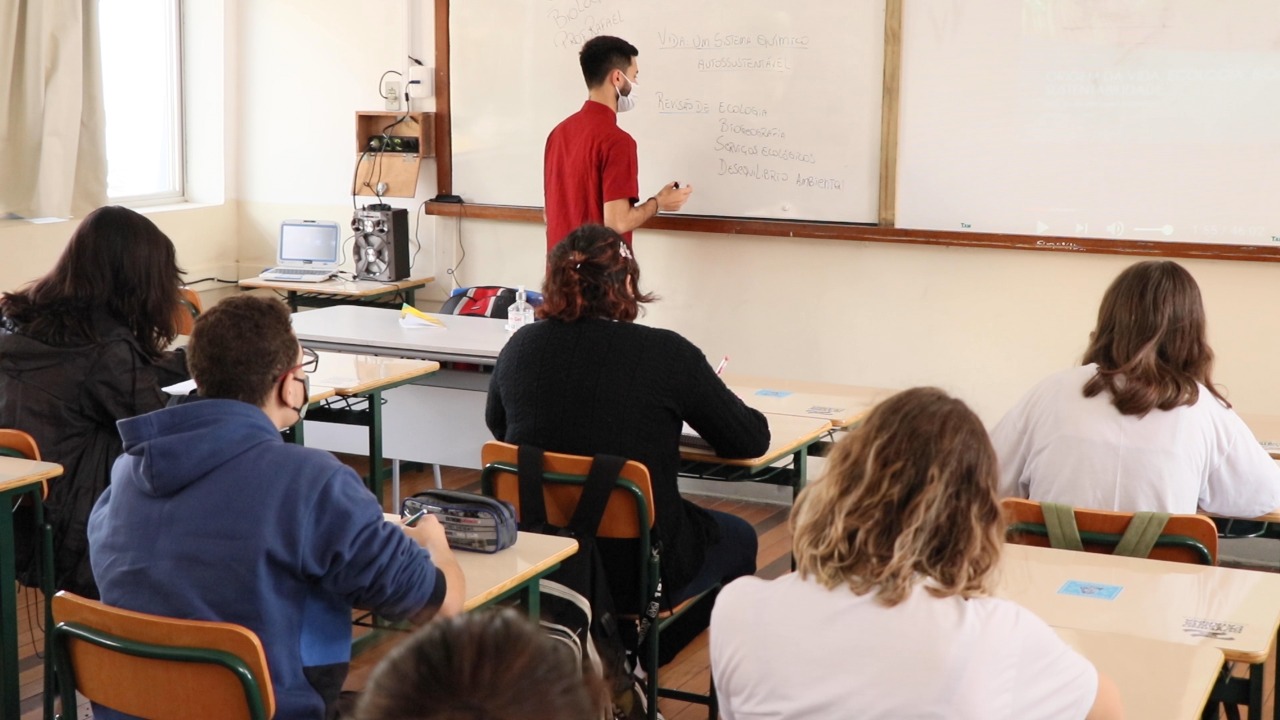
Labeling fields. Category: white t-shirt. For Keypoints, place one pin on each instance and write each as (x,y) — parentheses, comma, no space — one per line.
(790,648)
(1056,445)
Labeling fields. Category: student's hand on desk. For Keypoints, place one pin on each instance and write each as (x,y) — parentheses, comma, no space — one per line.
(671,198)
(429,534)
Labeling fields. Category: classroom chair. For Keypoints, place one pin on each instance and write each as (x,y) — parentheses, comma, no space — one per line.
(153,666)
(1182,538)
(629,515)
(189,308)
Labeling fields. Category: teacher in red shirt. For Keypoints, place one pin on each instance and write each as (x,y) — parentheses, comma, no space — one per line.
(589,166)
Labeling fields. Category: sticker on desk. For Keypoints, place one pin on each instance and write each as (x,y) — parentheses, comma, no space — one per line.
(1271,446)
(1079,588)
(773,393)
(820,410)
(1214,629)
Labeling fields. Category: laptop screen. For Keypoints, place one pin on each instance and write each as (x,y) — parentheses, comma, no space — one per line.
(309,242)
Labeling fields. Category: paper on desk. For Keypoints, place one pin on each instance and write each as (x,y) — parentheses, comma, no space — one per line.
(186,387)
(412,317)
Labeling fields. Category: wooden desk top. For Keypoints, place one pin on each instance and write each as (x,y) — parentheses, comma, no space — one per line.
(840,409)
(336,286)
(1236,611)
(350,374)
(787,433)
(18,473)
(1267,429)
(1156,679)
(488,576)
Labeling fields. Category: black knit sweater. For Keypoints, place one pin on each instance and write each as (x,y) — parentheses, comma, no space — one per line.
(598,386)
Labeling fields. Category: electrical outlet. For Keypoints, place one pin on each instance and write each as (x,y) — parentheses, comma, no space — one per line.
(391,92)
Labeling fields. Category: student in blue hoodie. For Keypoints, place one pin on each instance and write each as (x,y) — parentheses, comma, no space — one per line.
(210,515)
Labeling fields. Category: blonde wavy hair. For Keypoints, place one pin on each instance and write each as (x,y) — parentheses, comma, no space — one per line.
(909,496)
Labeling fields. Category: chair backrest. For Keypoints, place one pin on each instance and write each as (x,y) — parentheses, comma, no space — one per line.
(152,666)
(1185,538)
(16,443)
(189,308)
(563,478)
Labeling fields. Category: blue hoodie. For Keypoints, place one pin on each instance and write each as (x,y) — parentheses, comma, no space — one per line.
(210,515)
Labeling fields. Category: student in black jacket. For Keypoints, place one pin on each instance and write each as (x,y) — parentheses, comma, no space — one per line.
(80,348)
(589,380)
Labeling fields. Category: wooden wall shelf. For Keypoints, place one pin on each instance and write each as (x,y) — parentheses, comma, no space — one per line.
(399,170)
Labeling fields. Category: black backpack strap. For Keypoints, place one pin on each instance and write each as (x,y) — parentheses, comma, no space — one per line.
(533,507)
(595,495)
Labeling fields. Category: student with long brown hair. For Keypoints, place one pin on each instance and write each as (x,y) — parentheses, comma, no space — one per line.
(587,380)
(481,666)
(889,614)
(80,348)
(1139,426)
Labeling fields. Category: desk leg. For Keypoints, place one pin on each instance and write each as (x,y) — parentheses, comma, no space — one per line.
(292,298)
(375,444)
(9,706)
(801,472)
(408,297)
(533,599)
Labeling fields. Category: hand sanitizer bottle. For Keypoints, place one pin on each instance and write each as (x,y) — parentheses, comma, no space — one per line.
(520,313)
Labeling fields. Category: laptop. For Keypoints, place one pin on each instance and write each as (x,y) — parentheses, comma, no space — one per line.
(307,252)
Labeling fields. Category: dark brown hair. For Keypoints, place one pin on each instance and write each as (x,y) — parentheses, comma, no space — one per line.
(117,261)
(910,494)
(602,55)
(480,666)
(1150,343)
(587,275)
(240,348)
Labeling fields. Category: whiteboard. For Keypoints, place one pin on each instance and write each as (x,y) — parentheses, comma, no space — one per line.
(1136,120)
(767,109)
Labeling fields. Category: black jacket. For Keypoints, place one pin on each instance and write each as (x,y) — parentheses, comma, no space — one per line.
(597,386)
(69,397)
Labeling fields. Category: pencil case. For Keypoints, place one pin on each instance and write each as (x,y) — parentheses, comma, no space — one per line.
(471,522)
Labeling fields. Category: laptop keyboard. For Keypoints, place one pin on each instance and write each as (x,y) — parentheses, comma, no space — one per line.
(295,271)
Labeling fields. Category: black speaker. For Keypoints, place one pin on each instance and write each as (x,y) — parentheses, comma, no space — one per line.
(382,244)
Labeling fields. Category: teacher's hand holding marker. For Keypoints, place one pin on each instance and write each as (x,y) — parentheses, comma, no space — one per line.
(672,197)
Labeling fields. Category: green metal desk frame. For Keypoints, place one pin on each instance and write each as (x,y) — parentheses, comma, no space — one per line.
(9,705)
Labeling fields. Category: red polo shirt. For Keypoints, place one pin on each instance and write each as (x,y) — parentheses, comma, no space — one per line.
(588,162)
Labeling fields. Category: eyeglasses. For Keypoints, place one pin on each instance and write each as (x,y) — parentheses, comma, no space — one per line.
(310,360)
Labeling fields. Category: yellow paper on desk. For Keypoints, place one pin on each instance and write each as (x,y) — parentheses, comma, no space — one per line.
(412,317)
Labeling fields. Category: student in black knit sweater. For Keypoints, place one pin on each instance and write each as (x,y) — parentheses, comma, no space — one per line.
(588,380)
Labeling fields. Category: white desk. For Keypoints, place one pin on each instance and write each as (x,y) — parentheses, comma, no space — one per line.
(436,420)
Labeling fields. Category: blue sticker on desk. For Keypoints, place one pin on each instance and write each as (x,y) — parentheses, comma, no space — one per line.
(773,393)
(1080,588)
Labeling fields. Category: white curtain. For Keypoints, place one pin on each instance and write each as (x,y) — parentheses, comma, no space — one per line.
(53,158)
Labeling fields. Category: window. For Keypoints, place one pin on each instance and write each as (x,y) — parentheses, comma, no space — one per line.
(142,91)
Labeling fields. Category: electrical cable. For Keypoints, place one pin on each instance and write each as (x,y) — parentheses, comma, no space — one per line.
(355,175)
(417,222)
(209,279)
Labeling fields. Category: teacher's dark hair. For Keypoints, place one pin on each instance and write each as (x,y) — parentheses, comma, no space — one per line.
(240,347)
(116,261)
(592,273)
(602,55)
(1150,342)
(481,666)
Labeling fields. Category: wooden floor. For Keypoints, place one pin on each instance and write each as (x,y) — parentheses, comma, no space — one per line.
(690,670)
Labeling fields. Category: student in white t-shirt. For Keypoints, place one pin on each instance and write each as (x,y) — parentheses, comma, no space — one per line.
(888,614)
(1139,426)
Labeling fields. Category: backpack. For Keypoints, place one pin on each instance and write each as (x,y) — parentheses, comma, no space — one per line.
(577,606)
(482,300)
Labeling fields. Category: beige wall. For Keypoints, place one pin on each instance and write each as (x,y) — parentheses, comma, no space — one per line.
(984,324)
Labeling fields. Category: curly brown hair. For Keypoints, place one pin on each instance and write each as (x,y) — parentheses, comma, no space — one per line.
(481,666)
(592,273)
(1150,341)
(240,348)
(908,495)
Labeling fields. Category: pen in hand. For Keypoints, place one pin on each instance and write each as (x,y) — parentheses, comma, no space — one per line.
(413,520)
(724,361)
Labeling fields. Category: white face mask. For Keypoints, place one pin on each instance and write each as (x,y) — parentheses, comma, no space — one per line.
(627,102)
